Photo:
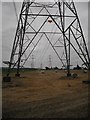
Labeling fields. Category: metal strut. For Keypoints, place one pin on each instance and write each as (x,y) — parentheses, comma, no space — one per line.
(25,28)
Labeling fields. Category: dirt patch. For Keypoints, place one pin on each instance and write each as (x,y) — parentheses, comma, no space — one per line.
(37,95)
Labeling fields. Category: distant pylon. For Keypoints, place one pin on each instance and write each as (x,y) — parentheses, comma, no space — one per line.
(41,66)
(50,61)
(32,62)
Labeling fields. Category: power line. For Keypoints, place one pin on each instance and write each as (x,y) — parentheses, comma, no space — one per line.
(15,10)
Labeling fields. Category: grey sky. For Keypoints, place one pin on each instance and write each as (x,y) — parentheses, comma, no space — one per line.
(0,33)
(9,24)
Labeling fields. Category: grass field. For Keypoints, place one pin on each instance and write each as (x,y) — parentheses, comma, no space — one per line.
(47,94)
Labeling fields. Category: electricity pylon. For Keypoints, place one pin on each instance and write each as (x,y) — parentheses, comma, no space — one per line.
(32,62)
(50,61)
(67,25)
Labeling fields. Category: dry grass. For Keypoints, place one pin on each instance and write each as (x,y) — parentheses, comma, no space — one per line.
(46,95)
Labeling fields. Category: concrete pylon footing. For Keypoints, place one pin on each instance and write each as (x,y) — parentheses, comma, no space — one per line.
(6,79)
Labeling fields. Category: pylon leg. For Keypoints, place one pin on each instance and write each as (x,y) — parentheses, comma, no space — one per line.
(86,82)
(6,79)
(17,75)
(68,74)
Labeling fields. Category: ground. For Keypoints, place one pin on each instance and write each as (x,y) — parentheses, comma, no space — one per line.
(45,94)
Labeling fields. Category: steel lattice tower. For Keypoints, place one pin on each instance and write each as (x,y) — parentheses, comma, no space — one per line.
(67,22)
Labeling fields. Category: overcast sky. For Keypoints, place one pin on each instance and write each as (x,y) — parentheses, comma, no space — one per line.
(9,24)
